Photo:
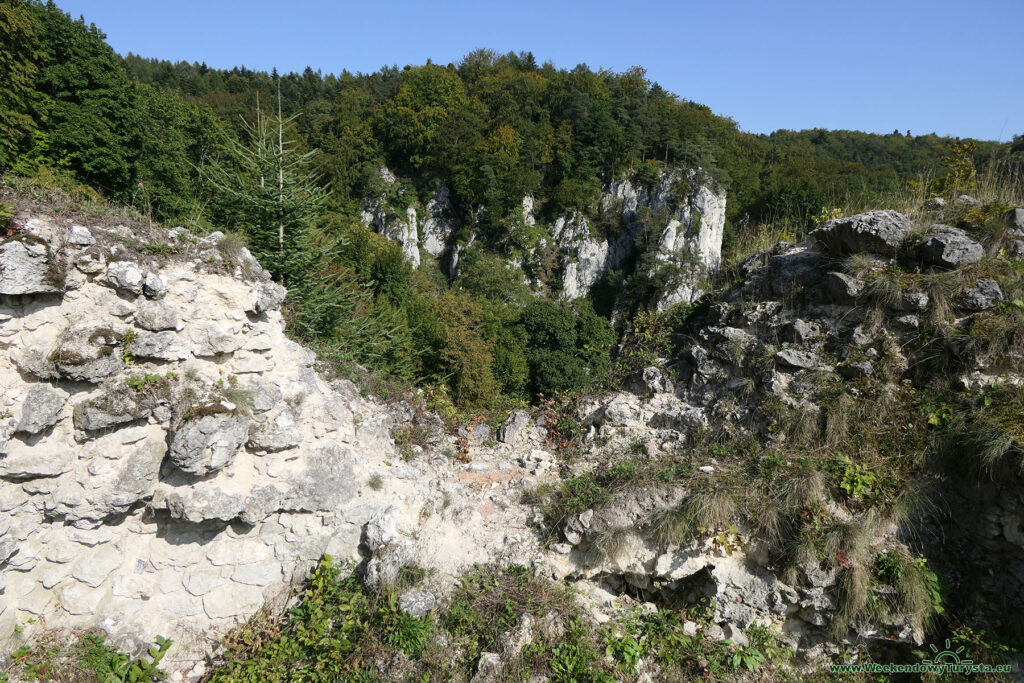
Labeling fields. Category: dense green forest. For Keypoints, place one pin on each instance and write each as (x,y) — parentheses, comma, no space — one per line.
(185,143)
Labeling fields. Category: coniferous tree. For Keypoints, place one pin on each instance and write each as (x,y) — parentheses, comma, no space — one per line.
(18,56)
(269,186)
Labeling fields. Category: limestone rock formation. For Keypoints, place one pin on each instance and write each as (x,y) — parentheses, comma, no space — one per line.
(26,268)
(171,462)
(879,232)
(689,212)
(949,247)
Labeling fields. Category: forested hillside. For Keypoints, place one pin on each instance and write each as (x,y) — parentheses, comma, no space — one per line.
(187,143)
(496,127)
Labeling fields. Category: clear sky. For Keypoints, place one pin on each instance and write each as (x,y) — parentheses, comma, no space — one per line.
(944,66)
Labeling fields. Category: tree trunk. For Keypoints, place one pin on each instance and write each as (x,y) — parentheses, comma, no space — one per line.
(280,173)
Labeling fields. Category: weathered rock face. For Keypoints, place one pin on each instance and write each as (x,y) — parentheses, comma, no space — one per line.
(949,247)
(688,211)
(170,461)
(586,258)
(689,217)
(439,224)
(878,232)
(403,226)
(25,268)
(397,226)
(130,497)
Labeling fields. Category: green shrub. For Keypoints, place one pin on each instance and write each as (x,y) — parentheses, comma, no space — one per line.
(326,636)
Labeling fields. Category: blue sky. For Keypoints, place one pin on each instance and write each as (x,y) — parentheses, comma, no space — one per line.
(941,66)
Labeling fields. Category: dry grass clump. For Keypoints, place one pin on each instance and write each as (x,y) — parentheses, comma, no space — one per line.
(700,513)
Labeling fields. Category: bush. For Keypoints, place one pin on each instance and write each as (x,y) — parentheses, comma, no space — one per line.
(566,348)
(325,637)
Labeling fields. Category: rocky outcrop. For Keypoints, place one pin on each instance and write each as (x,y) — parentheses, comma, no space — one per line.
(401,223)
(170,462)
(397,224)
(984,294)
(439,223)
(684,210)
(878,232)
(688,216)
(131,392)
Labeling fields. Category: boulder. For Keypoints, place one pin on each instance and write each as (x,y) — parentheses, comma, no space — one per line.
(793,358)
(879,232)
(800,331)
(1015,222)
(125,276)
(80,236)
(116,407)
(41,409)
(156,316)
(25,268)
(481,433)
(209,442)
(154,286)
(269,297)
(949,247)
(935,204)
(515,429)
(417,603)
(841,288)
(88,353)
(966,200)
(984,294)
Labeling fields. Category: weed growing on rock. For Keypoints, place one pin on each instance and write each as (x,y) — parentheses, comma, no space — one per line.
(87,659)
